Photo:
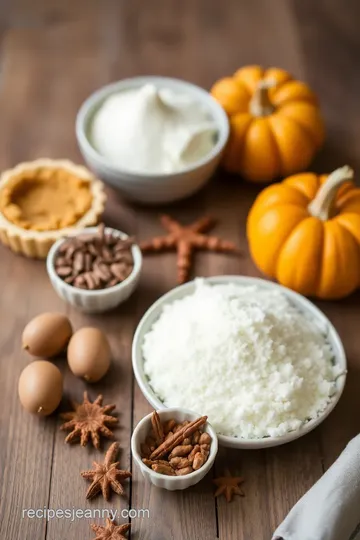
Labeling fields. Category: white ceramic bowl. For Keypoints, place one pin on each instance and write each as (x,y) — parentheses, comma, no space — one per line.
(99,300)
(304,305)
(171,483)
(153,188)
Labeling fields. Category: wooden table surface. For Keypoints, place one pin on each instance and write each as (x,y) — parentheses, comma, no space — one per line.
(53,54)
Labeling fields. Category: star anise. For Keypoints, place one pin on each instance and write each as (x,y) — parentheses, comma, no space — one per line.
(106,476)
(228,486)
(185,239)
(111,531)
(89,420)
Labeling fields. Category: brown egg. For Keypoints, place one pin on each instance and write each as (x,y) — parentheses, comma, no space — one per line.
(40,387)
(47,334)
(89,354)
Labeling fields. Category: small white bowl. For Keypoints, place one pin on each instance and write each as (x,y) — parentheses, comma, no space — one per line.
(304,305)
(171,483)
(146,187)
(99,300)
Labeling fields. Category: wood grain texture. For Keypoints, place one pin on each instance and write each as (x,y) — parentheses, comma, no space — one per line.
(52,55)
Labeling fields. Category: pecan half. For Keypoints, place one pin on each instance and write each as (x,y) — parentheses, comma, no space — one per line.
(169,425)
(205,438)
(199,461)
(179,462)
(150,462)
(205,450)
(193,453)
(185,470)
(163,469)
(181,450)
(157,428)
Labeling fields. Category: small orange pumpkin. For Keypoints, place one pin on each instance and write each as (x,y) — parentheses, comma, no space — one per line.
(275,123)
(305,232)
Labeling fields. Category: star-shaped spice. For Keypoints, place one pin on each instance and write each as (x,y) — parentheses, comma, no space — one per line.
(111,531)
(106,476)
(89,420)
(185,240)
(228,486)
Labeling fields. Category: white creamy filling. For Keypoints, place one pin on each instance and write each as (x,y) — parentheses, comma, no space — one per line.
(242,355)
(147,130)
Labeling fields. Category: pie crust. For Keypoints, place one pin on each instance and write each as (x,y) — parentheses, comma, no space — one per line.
(36,243)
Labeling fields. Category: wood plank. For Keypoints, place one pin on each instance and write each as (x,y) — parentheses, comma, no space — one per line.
(48,80)
(274,479)
(27,442)
(331,45)
(53,55)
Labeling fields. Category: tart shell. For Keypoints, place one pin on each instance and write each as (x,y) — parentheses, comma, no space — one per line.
(36,244)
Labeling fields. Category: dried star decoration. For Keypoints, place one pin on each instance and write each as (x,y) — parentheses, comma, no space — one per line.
(89,420)
(185,240)
(106,476)
(111,531)
(228,486)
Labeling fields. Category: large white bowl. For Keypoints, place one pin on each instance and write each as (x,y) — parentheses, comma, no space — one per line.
(304,305)
(153,188)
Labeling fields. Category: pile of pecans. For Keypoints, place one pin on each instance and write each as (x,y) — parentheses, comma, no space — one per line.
(176,449)
(94,261)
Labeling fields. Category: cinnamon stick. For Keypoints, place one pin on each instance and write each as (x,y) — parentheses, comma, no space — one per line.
(178,437)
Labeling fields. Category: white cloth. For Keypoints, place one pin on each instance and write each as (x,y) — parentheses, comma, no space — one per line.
(330,510)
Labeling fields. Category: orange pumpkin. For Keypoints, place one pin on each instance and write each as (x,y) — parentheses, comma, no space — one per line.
(275,123)
(305,232)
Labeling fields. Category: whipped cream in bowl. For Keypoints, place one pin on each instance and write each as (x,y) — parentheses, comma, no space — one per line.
(155,139)
(152,130)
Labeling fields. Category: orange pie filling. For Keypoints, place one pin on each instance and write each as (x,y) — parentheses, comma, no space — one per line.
(45,199)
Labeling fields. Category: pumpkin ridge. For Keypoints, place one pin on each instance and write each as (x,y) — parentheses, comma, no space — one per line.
(286,246)
(262,200)
(297,213)
(350,197)
(279,128)
(249,76)
(302,126)
(299,180)
(279,84)
(276,149)
(340,281)
(343,221)
(306,96)
(303,129)
(242,145)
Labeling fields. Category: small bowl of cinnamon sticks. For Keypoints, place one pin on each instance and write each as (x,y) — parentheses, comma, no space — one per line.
(174,448)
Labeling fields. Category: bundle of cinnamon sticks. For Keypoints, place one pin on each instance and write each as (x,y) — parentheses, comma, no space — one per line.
(176,449)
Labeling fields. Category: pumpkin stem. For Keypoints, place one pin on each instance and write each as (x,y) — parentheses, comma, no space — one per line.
(321,206)
(260,104)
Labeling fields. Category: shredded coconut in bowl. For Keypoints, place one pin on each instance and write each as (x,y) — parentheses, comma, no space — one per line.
(243,355)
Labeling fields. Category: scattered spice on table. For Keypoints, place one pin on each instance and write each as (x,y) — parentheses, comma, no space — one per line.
(185,240)
(89,420)
(228,486)
(111,531)
(106,476)
(95,261)
(176,449)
